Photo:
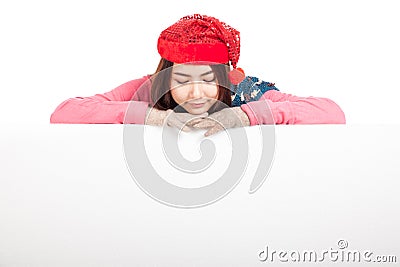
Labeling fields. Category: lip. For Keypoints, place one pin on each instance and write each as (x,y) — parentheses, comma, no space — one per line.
(197,105)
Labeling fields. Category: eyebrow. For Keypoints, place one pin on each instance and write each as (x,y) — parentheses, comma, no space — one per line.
(187,75)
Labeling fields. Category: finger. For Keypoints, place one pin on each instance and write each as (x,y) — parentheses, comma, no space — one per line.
(185,128)
(195,121)
(197,118)
(205,124)
(185,120)
(184,117)
(174,122)
(203,115)
(178,124)
(217,128)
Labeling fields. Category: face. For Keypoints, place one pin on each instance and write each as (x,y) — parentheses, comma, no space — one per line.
(194,87)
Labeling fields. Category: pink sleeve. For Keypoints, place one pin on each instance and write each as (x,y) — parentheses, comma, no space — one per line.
(290,109)
(110,107)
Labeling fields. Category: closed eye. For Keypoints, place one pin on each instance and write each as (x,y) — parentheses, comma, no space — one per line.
(182,82)
(208,81)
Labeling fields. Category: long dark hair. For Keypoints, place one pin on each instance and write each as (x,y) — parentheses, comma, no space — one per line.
(161,82)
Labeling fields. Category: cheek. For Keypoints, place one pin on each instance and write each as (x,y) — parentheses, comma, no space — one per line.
(211,91)
(179,95)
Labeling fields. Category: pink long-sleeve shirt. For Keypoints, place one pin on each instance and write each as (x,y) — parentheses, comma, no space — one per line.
(112,107)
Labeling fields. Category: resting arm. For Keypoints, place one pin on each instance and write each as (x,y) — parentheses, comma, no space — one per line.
(110,107)
(290,109)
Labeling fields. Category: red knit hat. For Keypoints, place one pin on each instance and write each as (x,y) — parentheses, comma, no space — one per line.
(198,38)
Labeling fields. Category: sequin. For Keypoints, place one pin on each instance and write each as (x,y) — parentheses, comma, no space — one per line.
(250,89)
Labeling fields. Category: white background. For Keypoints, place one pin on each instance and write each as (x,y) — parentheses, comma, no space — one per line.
(343,50)
(66,196)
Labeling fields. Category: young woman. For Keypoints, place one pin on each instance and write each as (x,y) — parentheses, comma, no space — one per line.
(194,87)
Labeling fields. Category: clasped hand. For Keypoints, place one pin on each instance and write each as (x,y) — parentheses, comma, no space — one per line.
(213,123)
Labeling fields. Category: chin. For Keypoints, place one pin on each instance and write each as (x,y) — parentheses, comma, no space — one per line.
(196,111)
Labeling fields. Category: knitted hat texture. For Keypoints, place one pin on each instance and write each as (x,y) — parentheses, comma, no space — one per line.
(200,38)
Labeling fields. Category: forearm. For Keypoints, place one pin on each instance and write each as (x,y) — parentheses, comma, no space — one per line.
(86,110)
(110,107)
(309,110)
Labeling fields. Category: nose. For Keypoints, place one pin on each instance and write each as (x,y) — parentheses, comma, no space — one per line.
(196,90)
